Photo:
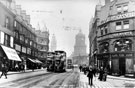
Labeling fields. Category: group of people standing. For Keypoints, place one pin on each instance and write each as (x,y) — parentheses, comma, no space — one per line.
(93,72)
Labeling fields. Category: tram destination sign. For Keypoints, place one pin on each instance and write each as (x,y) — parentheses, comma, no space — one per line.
(118,17)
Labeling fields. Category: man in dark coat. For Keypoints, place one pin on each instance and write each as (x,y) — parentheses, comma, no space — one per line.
(101,72)
(90,75)
(4,70)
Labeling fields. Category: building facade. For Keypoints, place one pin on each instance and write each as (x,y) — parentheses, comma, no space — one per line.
(115,37)
(53,45)
(18,37)
(79,55)
(42,44)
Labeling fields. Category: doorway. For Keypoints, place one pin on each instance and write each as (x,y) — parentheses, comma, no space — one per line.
(122,66)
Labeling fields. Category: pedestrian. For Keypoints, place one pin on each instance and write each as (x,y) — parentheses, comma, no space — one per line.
(101,72)
(80,67)
(16,67)
(4,70)
(90,75)
(33,67)
(105,74)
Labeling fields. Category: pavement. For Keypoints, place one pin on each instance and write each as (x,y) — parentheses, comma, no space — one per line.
(26,71)
(83,83)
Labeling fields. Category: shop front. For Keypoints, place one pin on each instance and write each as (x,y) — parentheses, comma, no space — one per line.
(9,56)
(103,60)
(122,63)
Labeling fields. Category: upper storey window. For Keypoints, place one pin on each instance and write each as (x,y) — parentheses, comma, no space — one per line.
(126,24)
(122,9)
(119,9)
(118,25)
(125,8)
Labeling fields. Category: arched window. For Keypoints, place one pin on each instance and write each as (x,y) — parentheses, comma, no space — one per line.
(123,45)
(104,47)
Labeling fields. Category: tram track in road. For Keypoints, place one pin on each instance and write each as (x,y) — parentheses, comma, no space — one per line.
(57,83)
(19,83)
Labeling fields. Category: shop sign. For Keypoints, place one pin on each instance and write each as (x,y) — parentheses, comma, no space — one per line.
(121,34)
(117,55)
(23,49)
(118,17)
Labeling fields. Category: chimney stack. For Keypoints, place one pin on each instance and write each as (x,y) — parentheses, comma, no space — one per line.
(23,13)
(18,9)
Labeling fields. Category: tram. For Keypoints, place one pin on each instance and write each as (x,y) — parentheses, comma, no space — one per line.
(56,61)
(60,61)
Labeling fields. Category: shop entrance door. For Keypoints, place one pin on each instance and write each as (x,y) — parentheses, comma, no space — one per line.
(122,66)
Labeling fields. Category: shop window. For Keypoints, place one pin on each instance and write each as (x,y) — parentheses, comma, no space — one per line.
(123,45)
(118,26)
(126,24)
(104,47)
(125,8)
(119,9)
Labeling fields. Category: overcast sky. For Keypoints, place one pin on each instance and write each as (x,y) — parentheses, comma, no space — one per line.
(58,14)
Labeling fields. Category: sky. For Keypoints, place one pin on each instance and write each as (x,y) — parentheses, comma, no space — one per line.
(62,18)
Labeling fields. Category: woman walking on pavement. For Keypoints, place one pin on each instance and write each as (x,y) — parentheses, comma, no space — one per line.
(4,70)
(90,75)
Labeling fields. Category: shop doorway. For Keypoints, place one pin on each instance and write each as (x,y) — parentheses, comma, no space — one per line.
(122,66)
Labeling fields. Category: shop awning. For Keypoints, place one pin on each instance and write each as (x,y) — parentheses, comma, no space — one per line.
(11,53)
(32,60)
(38,61)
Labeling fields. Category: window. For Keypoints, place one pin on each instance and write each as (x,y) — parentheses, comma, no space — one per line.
(126,24)
(118,26)
(16,35)
(26,40)
(106,29)
(123,45)
(11,41)
(125,8)
(2,37)
(15,24)
(104,47)
(21,37)
(101,32)
(7,25)
(119,9)
(7,40)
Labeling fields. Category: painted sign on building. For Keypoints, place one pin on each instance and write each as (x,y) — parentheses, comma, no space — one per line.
(118,17)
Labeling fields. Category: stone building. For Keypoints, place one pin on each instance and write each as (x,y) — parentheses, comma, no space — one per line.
(53,45)
(42,44)
(17,37)
(115,37)
(79,55)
